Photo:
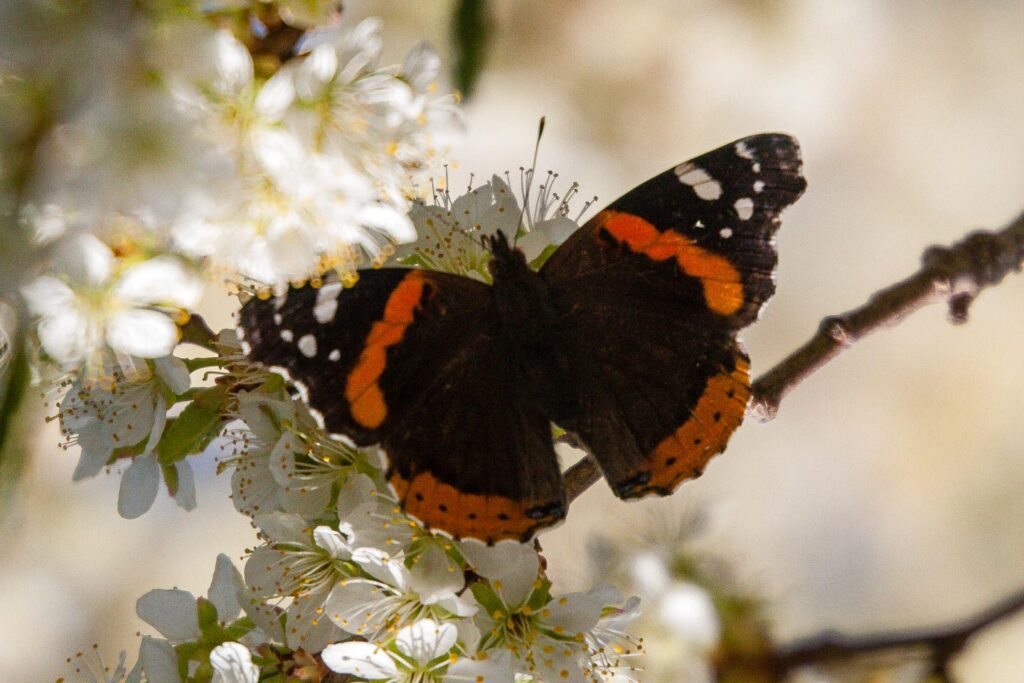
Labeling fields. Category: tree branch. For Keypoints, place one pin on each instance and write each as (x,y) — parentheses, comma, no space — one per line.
(954,274)
(944,643)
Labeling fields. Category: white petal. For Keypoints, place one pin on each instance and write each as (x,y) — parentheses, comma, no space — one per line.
(224,589)
(460,605)
(84,258)
(232,663)
(142,333)
(358,606)
(283,453)
(276,95)
(48,295)
(281,527)
(333,542)
(426,640)
(389,221)
(496,668)
(234,64)
(514,565)
(435,576)
(381,565)
(171,612)
(95,454)
(159,422)
(159,661)
(307,626)
(160,280)
(364,660)
(139,486)
(69,336)
(174,372)
(185,496)
(574,613)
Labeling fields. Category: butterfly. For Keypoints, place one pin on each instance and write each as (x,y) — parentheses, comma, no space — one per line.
(626,337)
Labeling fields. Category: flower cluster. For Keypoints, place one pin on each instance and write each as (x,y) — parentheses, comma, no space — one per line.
(267,172)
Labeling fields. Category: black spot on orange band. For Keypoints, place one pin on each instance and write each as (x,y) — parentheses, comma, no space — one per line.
(488,518)
(684,453)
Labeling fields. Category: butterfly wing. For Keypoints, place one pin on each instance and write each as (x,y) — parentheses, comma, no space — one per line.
(654,289)
(408,358)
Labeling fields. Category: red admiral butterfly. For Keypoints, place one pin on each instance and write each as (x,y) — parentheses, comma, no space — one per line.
(626,337)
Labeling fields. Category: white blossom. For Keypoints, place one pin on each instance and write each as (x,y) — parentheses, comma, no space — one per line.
(419,654)
(91,301)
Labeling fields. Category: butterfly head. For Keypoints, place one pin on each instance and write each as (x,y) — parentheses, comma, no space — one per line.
(505,258)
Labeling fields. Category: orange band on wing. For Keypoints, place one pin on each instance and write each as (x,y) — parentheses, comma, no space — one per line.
(464,515)
(366,400)
(684,453)
(723,289)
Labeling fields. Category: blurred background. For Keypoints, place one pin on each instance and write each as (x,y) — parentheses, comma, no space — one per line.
(887,493)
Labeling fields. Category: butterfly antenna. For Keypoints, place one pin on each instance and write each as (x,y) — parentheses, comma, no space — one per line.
(529,180)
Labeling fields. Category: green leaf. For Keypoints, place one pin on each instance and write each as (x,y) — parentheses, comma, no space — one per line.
(207,612)
(195,427)
(471,36)
(486,596)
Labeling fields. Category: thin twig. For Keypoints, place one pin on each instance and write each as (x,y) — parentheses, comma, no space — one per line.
(954,274)
(943,643)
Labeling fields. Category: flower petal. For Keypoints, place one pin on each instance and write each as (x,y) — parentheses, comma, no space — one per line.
(139,486)
(69,336)
(160,280)
(174,373)
(142,333)
(84,259)
(185,496)
(364,660)
(232,663)
(496,668)
(224,589)
(48,295)
(435,576)
(426,640)
(171,612)
(159,660)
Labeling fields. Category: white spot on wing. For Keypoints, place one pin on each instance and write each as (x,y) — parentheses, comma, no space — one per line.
(326,302)
(307,345)
(287,335)
(334,355)
(709,191)
(758,185)
(756,167)
(702,183)
(726,233)
(743,151)
(278,319)
(744,208)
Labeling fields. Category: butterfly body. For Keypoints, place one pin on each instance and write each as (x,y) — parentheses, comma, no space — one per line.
(626,337)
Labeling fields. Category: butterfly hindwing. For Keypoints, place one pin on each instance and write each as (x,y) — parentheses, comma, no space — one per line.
(409,358)
(655,288)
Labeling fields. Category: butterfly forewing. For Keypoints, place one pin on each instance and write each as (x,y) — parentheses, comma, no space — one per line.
(653,290)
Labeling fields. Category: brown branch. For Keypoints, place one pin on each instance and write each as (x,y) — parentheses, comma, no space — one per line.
(954,274)
(943,643)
